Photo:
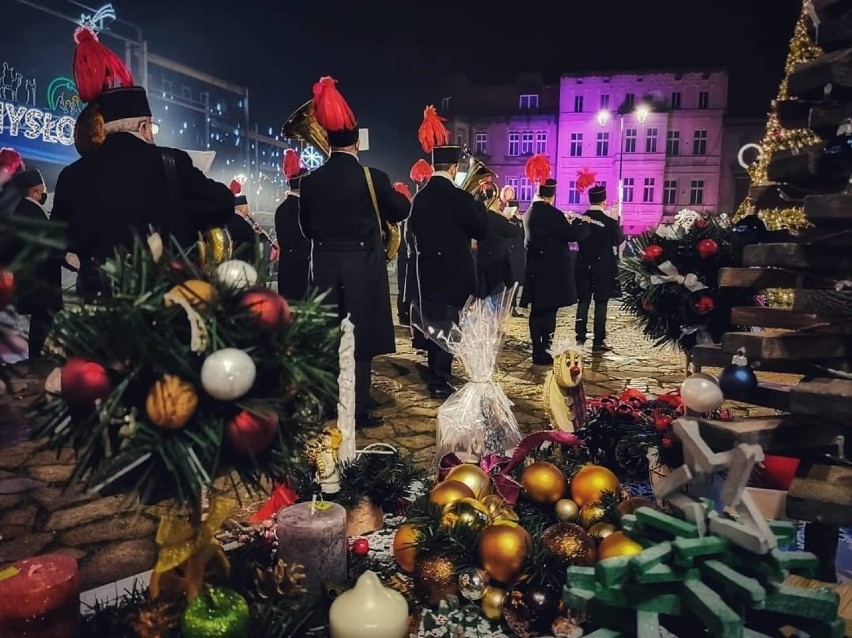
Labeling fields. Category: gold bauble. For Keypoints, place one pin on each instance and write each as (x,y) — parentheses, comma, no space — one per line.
(618,544)
(544,482)
(449,492)
(570,543)
(214,246)
(434,578)
(171,402)
(590,482)
(498,509)
(195,291)
(467,512)
(404,546)
(591,513)
(601,530)
(473,476)
(492,603)
(566,510)
(503,550)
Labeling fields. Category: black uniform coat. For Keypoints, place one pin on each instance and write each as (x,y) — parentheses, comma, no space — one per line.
(120,190)
(294,256)
(244,239)
(347,257)
(493,254)
(597,263)
(40,288)
(443,221)
(549,281)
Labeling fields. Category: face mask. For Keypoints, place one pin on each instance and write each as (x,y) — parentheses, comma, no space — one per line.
(43,199)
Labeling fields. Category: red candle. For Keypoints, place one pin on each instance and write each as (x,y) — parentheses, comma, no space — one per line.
(40,598)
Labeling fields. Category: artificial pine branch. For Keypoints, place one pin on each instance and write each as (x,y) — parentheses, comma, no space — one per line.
(382,478)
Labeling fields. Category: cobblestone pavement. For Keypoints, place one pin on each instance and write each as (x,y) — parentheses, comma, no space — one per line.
(38,515)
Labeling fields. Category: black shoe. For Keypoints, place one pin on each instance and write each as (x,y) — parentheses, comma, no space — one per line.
(517,313)
(368,421)
(580,343)
(441,390)
(601,347)
(542,360)
(372,404)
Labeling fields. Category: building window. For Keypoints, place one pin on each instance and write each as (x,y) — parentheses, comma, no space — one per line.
(602,145)
(669,192)
(514,144)
(526,143)
(627,195)
(651,140)
(605,100)
(576,145)
(445,104)
(696,192)
(630,140)
(578,103)
(460,139)
(541,142)
(529,102)
(629,101)
(704,100)
(699,143)
(512,182)
(186,93)
(673,143)
(573,193)
(648,190)
(525,190)
(675,103)
(482,143)
(167,88)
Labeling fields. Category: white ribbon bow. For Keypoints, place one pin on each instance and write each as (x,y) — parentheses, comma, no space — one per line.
(672,276)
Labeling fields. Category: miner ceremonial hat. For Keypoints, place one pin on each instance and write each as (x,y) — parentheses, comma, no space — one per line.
(597,195)
(433,137)
(333,114)
(547,189)
(28,179)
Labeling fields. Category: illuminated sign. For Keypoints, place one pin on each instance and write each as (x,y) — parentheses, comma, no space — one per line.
(98,21)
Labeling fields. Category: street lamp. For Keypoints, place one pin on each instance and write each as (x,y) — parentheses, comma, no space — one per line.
(603,117)
(642,112)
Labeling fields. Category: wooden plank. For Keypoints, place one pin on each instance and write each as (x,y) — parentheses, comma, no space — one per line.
(829,208)
(770,394)
(821,493)
(790,346)
(810,80)
(784,318)
(832,303)
(832,261)
(821,117)
(775,434)
(833,28)
(828,398)
(712,356)
(762,278)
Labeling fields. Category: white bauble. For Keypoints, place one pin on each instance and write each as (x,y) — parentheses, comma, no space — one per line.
(701,393)
(236,273)
(228,374)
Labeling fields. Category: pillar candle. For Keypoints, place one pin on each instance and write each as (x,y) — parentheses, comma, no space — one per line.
(314,536)
(40,598)
(369,610)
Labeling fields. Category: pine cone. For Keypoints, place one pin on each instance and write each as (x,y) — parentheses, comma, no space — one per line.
(281,580)
(156,619)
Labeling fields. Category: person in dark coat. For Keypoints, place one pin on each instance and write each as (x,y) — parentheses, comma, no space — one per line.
(294,257)
(597,267)
(549,283)
(241,228)
(444,220)
(39,293)
(493,254)
(340,206)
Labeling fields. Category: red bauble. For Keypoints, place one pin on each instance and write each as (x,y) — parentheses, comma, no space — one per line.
(360,547)
(667,442)
(7,288)
(703,305)
(84,381)
(249,433)
(652,252)
(707,248)
(268,308)
(662,423)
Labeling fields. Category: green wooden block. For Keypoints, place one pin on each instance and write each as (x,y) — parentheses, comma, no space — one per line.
(581,577)
(576,598)
(653,519)
(658,574)
(784,531)
(606,633)
(686,550)
(613,571)
(803,563)
(651,557)
(647,624)
(720,620)
(815,604)
(642,598)
(733,583)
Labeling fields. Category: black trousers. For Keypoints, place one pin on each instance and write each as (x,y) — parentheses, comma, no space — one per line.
(582,321)
(542,327)
(440,363)
(363,373)
(41,321)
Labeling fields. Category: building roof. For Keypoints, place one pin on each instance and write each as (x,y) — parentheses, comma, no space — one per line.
(648,71)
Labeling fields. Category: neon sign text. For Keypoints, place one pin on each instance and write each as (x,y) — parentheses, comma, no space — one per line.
(35,124)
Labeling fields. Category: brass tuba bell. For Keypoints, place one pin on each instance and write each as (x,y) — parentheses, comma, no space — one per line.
(303,126)
(477,175)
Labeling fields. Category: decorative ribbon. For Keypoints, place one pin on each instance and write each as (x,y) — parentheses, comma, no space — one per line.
(180,541)
(672,276)
(199,335)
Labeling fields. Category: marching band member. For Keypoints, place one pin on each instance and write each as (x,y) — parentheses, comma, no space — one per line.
(420,173)
(493,260)
(444,220)
(241,227)
(294,257)
(549,283)
(341,206)
(517,252)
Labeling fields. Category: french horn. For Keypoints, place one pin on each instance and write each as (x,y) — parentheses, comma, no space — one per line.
(477,175)
(303,126)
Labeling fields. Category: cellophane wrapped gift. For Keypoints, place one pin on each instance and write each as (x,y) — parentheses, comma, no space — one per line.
(478,418)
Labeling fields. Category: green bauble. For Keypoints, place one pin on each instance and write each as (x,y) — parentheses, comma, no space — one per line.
(216,613)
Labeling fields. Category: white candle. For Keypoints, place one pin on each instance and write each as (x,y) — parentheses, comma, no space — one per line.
(369,610)
(346,391)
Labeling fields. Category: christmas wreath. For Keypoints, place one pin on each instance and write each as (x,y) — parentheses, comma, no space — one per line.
(670,284)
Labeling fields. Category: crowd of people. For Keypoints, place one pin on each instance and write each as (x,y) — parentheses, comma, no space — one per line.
(331,228)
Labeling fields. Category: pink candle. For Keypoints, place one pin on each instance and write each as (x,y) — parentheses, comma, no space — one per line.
(40,598)
(314,536)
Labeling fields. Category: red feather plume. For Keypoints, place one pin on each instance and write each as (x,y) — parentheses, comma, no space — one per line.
(432,131)
(537,169)
(11,160)
(292,163)
(330,109)
(420,171)
(236,187)
(402,189)
(96,68)
(281,497)
(585,178)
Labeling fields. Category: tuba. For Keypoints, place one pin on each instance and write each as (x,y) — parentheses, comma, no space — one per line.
(477,175)
(303,126)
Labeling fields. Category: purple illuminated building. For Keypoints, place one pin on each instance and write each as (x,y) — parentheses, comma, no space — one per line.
(663,134)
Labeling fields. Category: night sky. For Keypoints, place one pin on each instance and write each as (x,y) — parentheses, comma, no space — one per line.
(390,57)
